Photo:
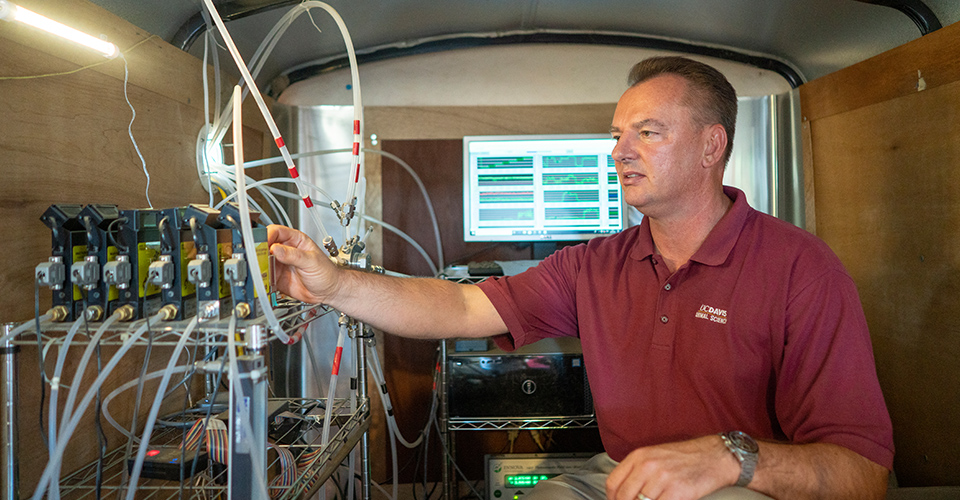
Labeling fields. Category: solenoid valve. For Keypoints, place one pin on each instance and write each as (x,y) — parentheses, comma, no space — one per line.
(117,272)
(200,271)
(86,273)
(51,273)
(235,270)
(161,273)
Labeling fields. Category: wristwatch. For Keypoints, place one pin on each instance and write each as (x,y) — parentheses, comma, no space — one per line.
(746,450)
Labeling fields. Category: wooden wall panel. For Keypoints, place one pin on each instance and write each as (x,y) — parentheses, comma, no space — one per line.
(886,76)
(888,202)
(454,122)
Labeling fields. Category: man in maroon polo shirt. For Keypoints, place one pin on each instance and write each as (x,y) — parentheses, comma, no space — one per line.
(723,346)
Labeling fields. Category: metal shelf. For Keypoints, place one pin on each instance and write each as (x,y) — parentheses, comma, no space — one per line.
(505,424)
(302,430)
(291,318)
(209,484)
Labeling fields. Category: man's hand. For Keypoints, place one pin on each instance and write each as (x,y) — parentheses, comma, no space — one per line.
(687,470)
(304,271)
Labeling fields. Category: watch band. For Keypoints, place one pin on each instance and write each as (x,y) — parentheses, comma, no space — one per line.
(746,450)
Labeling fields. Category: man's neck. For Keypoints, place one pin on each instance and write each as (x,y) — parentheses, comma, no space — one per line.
(677,238)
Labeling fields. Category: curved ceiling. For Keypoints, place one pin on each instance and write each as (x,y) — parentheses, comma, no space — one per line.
(815,37)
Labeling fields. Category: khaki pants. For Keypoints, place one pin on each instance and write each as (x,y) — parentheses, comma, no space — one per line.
(588,484)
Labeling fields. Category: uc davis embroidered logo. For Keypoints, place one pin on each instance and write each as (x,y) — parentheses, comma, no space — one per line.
(712,314)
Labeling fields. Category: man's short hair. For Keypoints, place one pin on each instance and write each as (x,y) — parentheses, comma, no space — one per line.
(711,96)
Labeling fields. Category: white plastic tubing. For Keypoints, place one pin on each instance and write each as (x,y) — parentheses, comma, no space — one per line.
(269,42)
(332,389)
(248,242)
(155,409)
(69,426)
(22,328)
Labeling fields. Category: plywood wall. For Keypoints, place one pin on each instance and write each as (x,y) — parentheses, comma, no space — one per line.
(885,158)
(64,139)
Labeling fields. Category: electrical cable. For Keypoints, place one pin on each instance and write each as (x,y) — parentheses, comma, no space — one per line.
(446,452)
(126,79)
(55,379)
(198,241)
(23,328)
(68,427)
(206,418)
(97,421)
(82,367)
(166,235)
(155,409)
(138,399)
(116,243)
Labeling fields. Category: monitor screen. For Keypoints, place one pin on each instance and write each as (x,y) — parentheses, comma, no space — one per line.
(540,188)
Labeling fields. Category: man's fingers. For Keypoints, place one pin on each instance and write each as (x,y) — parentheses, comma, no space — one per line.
(616,479)
(290,237)
(292,256)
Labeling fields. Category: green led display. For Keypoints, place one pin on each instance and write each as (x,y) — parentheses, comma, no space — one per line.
(525,480)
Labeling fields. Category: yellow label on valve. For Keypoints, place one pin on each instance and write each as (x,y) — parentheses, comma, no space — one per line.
(113,293)
(146,255)
(79,252)
(188,252)
(224,252)
(263,259)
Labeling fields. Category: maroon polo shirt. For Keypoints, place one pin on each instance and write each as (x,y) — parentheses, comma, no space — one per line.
(762,331)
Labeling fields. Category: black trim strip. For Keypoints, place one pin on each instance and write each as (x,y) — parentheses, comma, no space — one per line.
(637,41)
(191,30)
(916,10)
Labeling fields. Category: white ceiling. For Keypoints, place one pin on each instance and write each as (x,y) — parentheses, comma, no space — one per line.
(815,37)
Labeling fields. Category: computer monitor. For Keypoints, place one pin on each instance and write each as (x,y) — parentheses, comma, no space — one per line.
(540,188)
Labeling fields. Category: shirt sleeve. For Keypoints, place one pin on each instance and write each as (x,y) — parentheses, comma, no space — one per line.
(827,386)
(540,302)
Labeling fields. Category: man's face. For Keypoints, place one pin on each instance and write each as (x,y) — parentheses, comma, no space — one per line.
(659,148)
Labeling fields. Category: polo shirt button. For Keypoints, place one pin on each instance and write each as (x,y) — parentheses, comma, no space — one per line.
(667,287)
(663,319)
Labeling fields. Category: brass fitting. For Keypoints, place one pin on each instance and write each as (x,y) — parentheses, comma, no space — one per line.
(169,312)
(94,313)
(242,310)
(58,313)
(125,313)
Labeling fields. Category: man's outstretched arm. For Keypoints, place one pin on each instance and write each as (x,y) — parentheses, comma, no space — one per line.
(410,307)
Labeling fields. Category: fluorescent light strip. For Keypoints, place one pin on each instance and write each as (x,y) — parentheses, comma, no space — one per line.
(13,12)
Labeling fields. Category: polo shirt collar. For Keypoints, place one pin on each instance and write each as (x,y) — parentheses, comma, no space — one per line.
(719,243)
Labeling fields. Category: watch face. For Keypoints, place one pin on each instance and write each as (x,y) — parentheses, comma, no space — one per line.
(743,441)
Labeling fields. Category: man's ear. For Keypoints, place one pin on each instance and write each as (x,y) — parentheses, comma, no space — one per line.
(715,144)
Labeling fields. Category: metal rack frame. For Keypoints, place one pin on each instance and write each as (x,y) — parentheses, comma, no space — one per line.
(353,421)
(449,425)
